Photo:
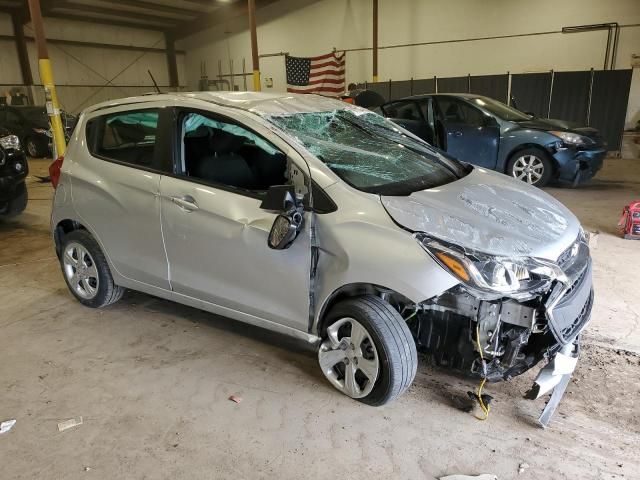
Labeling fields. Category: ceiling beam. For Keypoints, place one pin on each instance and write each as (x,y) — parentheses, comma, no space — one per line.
(104,21)
(222,14)
(158,7)
(80,43)
(123,15)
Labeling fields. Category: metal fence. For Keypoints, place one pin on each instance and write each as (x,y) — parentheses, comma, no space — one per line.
(596,98)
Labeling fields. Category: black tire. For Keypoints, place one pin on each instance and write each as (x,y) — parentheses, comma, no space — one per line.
(108,292)
(541,156)
(393,341)
(34,147)
(18,203)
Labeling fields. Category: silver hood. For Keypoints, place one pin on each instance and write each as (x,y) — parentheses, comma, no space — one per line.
(489,212)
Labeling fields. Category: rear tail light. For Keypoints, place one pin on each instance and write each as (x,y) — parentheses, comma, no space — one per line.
(54,171)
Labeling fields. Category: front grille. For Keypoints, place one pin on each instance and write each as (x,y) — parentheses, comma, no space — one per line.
(572,312)
(570,331)
(575,284)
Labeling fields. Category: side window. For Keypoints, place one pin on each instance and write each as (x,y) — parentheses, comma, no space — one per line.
(403,111)
(220,152)
(457,111)
(128,137)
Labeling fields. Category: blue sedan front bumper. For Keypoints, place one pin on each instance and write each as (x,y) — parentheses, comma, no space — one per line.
(577,166)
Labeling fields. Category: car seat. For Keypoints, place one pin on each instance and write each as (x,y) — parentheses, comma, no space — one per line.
(225,166)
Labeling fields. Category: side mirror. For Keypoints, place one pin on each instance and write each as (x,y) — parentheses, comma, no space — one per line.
(287,225)
(279,198)
(284,230)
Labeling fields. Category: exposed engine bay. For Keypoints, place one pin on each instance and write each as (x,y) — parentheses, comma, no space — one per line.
(498,339)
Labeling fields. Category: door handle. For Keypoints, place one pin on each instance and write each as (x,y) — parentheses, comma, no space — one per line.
(456,133)
(187,203)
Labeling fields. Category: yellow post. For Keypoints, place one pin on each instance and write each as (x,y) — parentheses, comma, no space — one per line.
(256,80)
(46,77)
(53,108)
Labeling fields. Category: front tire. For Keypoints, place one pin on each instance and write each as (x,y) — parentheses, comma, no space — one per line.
(86,271)
(532,166)
(18,203)
(34,148)
(368,352)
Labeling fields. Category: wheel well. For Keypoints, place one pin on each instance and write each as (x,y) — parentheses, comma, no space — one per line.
(526,146)
(351,290)
(63,228)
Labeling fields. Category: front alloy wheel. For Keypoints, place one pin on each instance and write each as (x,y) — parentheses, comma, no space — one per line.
(531,166)
(349,359)
(32,148)
(367,352)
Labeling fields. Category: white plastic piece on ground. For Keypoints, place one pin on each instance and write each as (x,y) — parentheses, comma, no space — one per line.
(72,422)
(484,476)
(7,425)
(564,363)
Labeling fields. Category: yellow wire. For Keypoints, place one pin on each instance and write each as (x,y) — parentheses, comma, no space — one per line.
(485,408)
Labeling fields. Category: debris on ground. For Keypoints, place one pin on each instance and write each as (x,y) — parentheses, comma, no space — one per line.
(484,476)
(235,398)
(67,424)
(7,425)
(523,466)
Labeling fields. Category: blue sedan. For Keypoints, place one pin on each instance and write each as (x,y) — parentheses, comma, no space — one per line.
(490,134)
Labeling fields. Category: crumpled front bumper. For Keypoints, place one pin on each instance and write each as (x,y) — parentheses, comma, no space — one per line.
(568,314)
(555,377)
(578,166)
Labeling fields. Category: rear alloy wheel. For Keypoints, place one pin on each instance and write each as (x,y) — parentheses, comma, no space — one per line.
(368,352)
(530,166)
(86,271)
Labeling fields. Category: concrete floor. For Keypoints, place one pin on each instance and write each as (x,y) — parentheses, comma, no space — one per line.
(151,380)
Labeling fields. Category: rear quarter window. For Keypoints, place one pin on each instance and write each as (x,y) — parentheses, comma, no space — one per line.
(126,137)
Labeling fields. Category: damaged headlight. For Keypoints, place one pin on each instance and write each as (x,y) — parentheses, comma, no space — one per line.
(493,276)
(10,142)
(572,138)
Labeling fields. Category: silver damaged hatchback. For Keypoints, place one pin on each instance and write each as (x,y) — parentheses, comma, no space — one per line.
(317,219)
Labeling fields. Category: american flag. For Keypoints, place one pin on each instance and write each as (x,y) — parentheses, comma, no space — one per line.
(323,74)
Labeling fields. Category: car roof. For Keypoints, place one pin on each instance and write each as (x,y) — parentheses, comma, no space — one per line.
(425,95)
(256,102)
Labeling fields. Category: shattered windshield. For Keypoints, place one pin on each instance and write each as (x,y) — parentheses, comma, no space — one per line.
(369,152)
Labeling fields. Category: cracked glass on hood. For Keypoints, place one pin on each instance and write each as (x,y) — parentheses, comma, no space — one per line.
(369,152)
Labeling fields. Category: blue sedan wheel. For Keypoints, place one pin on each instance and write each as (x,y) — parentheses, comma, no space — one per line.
(530,166)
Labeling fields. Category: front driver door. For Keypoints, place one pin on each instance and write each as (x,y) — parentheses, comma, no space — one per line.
(468,134)
(215,231)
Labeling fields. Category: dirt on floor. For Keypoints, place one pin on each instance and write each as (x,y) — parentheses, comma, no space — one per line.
(152,379)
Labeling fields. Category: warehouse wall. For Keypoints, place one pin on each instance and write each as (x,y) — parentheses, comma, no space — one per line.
(305,28)
(82,72)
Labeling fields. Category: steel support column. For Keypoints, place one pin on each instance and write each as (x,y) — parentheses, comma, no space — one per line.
(46,77)
(21,47)
(375,41)
(254,45)
(172,64)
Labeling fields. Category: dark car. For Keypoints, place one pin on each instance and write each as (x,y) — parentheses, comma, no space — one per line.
(13,171)
(488,133)
(31,125)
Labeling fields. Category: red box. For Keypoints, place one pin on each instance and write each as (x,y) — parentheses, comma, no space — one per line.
(629,223)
